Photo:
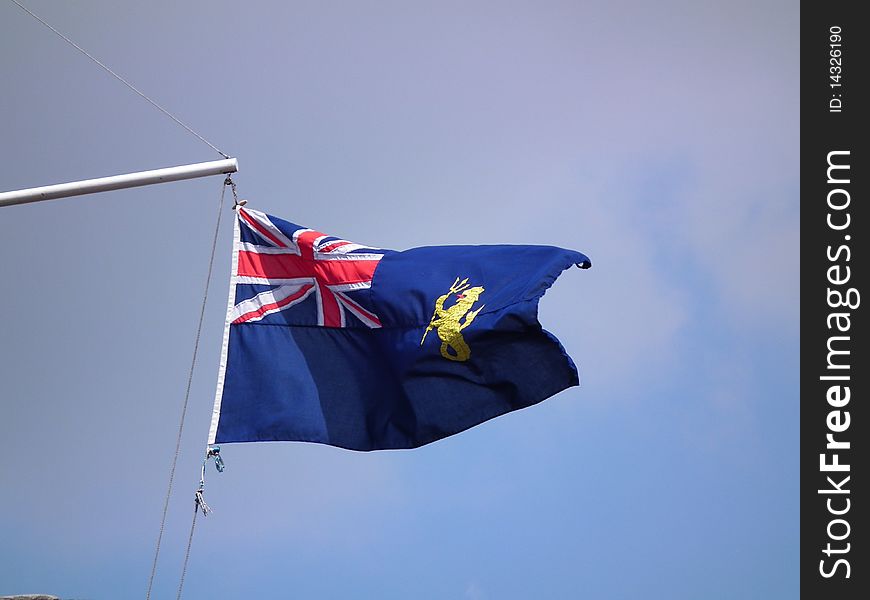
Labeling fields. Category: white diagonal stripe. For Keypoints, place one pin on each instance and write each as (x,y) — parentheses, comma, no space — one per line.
(269,297)
(263,220)
(354,308)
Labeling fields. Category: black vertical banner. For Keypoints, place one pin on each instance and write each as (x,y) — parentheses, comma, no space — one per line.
(835,222)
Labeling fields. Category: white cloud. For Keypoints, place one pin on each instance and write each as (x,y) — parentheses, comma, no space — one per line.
(473,591)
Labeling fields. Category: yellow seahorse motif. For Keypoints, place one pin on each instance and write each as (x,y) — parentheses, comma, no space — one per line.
(446,321)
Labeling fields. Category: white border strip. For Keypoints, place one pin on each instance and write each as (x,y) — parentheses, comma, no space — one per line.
(231,302)
(348,257)
(276,281)
(258,249)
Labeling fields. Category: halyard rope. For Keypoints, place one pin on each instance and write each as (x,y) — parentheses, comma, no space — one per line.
(119,78)
(199,505)
(184,408)
(196,508)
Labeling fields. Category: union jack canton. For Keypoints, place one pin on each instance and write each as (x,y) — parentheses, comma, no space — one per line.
(296,262)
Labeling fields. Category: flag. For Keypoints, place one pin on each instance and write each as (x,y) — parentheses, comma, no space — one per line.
(337,343)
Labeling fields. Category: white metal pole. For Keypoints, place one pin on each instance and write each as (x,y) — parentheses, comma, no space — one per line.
(118,182)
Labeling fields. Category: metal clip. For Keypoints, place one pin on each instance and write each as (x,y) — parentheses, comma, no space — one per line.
(236,202)
(215,452)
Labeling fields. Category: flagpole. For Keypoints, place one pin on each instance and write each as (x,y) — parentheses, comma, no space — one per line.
(119,182)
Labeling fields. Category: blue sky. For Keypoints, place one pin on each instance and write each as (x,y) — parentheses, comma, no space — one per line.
(661,139)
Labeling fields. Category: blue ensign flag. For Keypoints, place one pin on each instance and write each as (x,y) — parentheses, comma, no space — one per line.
(333,342)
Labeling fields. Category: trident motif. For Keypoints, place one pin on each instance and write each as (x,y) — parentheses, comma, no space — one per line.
(446,321)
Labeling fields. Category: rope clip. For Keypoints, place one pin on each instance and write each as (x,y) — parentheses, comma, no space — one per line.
(215,452)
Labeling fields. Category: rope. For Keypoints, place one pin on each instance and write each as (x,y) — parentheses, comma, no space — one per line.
(119,78)
(199,502)
(189,544)
(186,398)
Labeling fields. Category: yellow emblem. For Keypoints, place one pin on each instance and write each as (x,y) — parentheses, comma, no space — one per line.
(446,321)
